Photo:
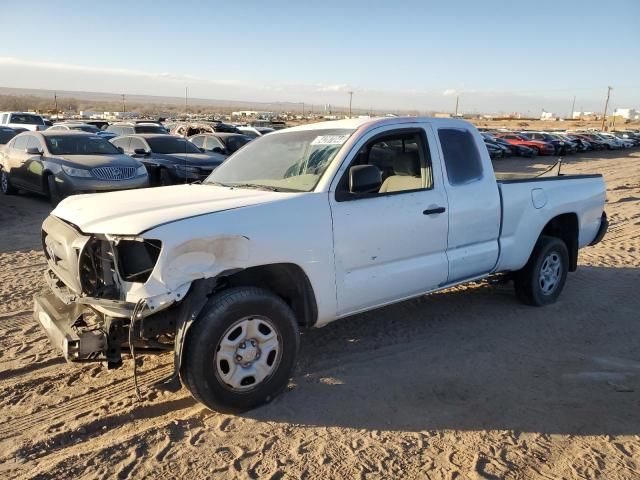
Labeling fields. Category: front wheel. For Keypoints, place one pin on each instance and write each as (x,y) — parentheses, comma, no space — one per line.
(54,194)
(542,279)
(240,352)
(165,178)
(5,183)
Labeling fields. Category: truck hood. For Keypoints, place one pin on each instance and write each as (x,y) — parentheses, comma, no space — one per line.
(131,212)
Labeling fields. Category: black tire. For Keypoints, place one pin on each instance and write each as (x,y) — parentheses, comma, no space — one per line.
(164,178)
(529,284)
(52,189)
(199,370)
(5,183)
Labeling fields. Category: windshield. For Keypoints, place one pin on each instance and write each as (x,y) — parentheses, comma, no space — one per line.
(79,145)
(170,144)
(292,161)
(85,128)
(149,129)
(26,119)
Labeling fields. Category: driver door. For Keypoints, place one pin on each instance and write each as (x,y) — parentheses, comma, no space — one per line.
(390,245)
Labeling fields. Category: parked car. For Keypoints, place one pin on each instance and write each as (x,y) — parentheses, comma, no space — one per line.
(82,127)
(623,142)
(611,143)
(255,131)
(595,142)
(541,148)
(223,143)
(6,134)
(561,146)
(62,163)
(131,128)
(628,135)
(298,229)
(30,121)
(169,159)
(495,151)
(581,144)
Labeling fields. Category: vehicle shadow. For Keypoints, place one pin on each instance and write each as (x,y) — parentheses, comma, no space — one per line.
(21,218)
(474,359)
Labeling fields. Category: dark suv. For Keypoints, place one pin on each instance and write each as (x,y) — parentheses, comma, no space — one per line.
(168,158)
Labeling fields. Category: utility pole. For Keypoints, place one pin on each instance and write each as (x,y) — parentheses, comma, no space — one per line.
(124,108)
(457,98)
(186,103)
(350,100)
(606,104)
(573,106)
(55,102)
(302,109)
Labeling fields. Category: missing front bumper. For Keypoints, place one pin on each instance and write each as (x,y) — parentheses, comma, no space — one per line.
(58,319)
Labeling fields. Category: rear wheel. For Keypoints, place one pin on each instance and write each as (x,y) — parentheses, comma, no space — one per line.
(240,352)
(54,194)
(5,183)
(542,279)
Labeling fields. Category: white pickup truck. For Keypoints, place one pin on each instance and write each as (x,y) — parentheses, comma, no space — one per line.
(28,121)
(299,228)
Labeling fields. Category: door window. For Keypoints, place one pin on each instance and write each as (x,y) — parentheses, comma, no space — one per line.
(123,143)
(461,156)
(403,160)
(21,142)
(198,141)
(213,142)
(136,143)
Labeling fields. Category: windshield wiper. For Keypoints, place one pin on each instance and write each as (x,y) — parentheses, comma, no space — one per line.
(271,188)
(255,185)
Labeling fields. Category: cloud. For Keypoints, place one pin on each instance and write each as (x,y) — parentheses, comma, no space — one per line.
(333,88)
(449,92)
(120,72)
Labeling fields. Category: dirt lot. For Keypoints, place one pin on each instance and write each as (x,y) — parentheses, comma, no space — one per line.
(466,383)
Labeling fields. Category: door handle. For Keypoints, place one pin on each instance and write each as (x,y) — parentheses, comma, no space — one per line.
(433,211)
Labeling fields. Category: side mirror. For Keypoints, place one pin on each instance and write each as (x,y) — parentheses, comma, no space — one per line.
(33,151)
(364,179)
(218,150)
(202,150)
(140,151)
(120,149)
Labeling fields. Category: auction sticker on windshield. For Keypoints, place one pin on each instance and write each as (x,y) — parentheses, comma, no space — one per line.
(330,140)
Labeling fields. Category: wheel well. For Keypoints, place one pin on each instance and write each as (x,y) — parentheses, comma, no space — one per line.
(45,185)
(565,227)
(286,280)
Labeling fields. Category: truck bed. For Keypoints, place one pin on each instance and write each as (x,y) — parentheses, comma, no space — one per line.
(528,204)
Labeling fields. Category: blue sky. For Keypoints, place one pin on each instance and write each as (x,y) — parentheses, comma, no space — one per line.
(497,55)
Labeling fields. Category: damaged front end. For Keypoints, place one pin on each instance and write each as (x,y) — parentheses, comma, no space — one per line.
(88,307)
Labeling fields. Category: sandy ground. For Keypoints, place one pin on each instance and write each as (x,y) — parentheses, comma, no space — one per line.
(462,384)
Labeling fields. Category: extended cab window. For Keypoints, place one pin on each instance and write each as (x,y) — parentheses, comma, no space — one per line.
(461,156)
(402,159)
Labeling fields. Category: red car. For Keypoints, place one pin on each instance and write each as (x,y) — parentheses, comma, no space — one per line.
(543,148)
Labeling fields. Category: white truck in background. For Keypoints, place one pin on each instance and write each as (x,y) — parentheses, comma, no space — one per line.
(30,121)
(300,228)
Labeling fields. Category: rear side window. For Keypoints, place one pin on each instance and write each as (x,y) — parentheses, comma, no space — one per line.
(21,142)
(461,156)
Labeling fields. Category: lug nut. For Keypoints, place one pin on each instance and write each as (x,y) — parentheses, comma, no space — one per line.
(238,358)
(243,345)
